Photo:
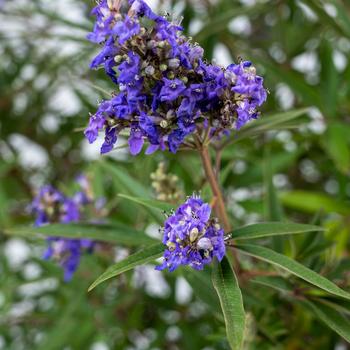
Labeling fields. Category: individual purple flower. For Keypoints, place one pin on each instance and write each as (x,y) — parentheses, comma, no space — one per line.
(175,139)
(129,69)
(47,205)
(104,17)
(135,141)
(126,29)
(110,139)
(96,123)
(171,90)
(192,237)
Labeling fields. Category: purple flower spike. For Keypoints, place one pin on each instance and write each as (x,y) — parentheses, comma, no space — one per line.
(52,206)
(165,89)
(191,237)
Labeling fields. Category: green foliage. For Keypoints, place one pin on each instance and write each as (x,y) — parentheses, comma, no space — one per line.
(293,267)
(267,229)
(226,285)
(115,233)
(144,256)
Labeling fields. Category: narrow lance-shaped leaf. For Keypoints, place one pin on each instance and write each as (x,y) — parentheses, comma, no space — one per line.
(220,22)
(141,257)
(267,229)
(275,282)
(330,317)
(293,267)
(272,206)
(149,203)
(116,233)
(130,186)
(313,202)
(123,180)
(268,123)
(227,288)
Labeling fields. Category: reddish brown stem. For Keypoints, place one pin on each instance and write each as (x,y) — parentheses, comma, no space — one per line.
(219,204)
(211,177)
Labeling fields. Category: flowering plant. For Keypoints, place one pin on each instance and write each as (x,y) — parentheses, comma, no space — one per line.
(188,113)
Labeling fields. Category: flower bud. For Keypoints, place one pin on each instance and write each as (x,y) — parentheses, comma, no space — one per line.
(171,246)
(164,124)
(184,79)
(174,63)
(149,70)
(194,234)
(205,244)
(118,58)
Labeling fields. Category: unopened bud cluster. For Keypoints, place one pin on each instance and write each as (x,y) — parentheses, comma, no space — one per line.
(166,185)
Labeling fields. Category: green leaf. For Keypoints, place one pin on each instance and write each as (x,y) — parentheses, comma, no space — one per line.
(330,317)
(275,282)
(220,22)
(141,257)
(296,81)
(273,209)
(126,184)
(203,288)
(293,267)
(313,202)
(268,229)
(336,144)
(267,123)
(116,233)
(124,180)
(149,203)
(340,22)
(329,80)
(227,288)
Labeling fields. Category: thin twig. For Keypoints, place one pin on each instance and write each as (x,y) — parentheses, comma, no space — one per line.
(218,162)
(219,204)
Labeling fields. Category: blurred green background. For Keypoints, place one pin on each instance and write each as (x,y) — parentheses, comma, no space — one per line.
(300,171)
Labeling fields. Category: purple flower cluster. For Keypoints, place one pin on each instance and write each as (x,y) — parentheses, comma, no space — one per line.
(165,88)
(192,237)
(51,206)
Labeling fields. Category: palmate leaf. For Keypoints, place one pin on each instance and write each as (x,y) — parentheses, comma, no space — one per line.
(227,288)
(268,229)
(293,267)
(141,257)
(114,233)
(332,318)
